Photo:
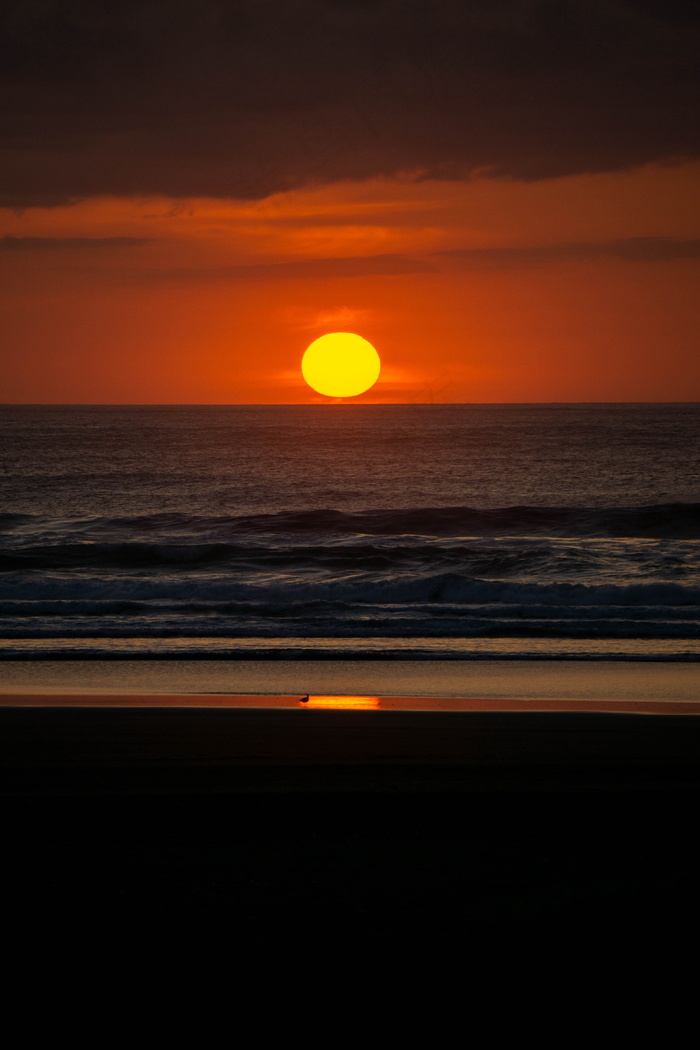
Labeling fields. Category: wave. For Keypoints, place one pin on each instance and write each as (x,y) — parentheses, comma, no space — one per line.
(11,521)
(355,649)
(406,629)
(105,607)
(403,589)
(437,573)
(332,558)
(503,557)
(670,520)
(658,521)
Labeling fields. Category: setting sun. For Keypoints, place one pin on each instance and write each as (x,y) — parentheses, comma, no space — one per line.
(341,364)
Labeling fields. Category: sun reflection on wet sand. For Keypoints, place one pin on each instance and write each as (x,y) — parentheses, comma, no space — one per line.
(355,703)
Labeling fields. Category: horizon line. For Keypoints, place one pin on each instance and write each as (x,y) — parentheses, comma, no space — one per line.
(334,403)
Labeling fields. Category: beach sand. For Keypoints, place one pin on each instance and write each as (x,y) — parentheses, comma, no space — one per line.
(161,743)
(260,821)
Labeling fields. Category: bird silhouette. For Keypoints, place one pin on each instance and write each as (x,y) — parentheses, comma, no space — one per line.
(304,699)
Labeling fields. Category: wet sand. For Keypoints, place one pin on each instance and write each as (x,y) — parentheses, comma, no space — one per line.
(563,680)
(405,824)
(162,743)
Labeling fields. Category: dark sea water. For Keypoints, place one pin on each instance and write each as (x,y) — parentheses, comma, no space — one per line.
(403,531)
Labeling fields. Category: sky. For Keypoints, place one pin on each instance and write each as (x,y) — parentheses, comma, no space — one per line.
(502,196)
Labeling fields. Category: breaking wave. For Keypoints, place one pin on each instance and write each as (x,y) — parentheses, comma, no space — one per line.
(658,521)
(451,573)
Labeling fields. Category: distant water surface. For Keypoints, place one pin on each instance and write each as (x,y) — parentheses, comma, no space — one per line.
(403,531)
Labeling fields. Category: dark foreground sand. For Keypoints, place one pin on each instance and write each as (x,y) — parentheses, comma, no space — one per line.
(291,824)
(225,744)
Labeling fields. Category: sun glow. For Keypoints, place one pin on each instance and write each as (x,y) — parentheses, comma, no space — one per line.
(341,364)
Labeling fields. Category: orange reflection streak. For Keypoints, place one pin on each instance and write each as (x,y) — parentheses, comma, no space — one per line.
(355,703)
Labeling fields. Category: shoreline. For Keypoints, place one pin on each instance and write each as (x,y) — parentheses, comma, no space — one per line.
(230,744)
(570,681)
(91,728)
(273,702)
(282,823)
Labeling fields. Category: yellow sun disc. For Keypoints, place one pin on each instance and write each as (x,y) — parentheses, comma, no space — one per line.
(340,364)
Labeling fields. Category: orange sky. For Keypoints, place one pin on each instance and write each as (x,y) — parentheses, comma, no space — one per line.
(582,288)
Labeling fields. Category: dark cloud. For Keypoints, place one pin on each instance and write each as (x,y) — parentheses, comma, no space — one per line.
(316,269)
(651,249)
(244,97)
(642,249)
(21,244)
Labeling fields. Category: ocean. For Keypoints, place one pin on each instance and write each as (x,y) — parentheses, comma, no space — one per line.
(350,532)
